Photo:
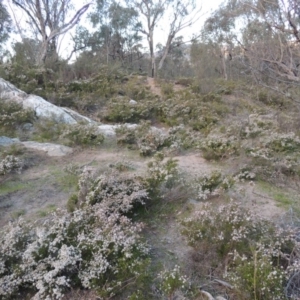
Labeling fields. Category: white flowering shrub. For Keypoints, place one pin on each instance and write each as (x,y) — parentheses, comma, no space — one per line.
(212,184)
(182,138)
(257,276)
(122,165)
(245,173)
(283,142)
(10,164)
(84,135)
(150,140)
(256,254)
(118,192)
(218,147)
(144,138)
(161,175)
(257,125)
(92,248)
(120,110)
(172,281)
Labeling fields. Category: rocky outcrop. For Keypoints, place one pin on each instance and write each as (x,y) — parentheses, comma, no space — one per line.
(49,148)
(46,109)
(41,107)
(78,117)
(110,130)
(6,141)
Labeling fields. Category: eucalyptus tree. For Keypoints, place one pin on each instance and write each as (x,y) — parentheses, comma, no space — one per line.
(265,35)
(179,14)
(115,35)
(49,19)
(5,26)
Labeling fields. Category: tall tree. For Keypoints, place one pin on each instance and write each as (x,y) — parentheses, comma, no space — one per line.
(115,35)
(180,14)
(269,38)
(50,19)
(5,25)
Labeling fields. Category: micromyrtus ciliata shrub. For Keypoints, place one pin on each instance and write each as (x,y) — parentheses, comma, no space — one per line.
(258,257)
(10,164)
(96,247)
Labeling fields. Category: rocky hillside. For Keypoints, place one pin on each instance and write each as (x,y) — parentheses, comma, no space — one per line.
(125,187)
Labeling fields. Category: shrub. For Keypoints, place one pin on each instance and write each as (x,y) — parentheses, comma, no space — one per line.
(161,175)
(10,164)
(119,109)
(257,276)
(215,148)
(12,115)
(48,129)
(148,140)
(245,173)
(120,192)
(285,143)
(83,135)
(167,90)
(172,281)
(212,184)
(254,252)
(93,248)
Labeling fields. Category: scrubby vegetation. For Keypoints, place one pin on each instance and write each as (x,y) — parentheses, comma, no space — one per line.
(183,185)
(99,241)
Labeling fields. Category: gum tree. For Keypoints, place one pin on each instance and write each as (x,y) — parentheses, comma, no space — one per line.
(178,13)
(49,19)
(5,25)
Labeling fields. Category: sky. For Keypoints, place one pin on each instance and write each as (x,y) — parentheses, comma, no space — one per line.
(160,35)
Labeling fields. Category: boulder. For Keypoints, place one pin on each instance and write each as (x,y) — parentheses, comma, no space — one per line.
(78,117)
(41,107)
(49,148)
(110,130)
(132,102)
(6,141)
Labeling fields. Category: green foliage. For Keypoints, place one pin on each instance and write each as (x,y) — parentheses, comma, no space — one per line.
(48,129)
(215,148)
(82,135)
(253,250)
(135,89)
(212,184)
(185,81)
(142,137)
(15,149)
(167,90)
(119,109)
(5,26)
(12,115)
(285,143)
(172,281)
(258,277)
(161,175)
(72,203)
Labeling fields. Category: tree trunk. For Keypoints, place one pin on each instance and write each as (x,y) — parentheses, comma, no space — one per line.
(166,51)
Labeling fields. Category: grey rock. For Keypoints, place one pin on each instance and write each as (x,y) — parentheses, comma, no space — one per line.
(110,130)
(27,127)
(49,148)
(6,141)
(78,117)
(132,102)
(41,107)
